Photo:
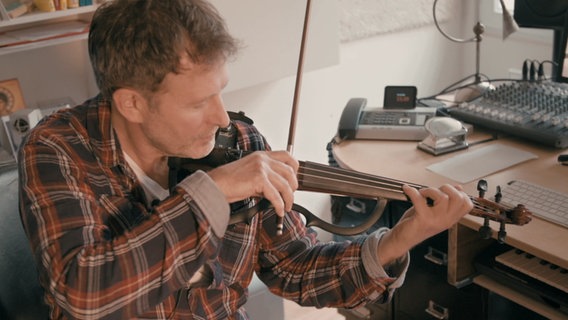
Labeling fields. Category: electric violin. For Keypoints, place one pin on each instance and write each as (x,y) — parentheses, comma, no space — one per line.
(322,178)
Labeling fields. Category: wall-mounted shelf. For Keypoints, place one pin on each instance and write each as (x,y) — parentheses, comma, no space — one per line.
(32,31)
(41,44)
(38,17)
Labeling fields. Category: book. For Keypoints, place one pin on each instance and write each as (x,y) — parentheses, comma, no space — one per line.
(10,9)
(3,12)
(72,4)
(18,9)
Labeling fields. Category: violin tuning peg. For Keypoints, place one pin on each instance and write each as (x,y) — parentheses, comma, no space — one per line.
(485,230)
(498,194)
(482,187)
(502,233)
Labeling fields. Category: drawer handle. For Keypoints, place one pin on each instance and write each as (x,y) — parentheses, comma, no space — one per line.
(437,311)
(436,256)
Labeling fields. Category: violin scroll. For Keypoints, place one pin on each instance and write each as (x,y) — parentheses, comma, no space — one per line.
(521,215)
(495,211)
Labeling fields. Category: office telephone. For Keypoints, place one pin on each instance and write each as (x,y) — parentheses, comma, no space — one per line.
(358,122)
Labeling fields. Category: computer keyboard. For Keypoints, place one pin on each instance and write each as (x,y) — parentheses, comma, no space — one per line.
(544,203)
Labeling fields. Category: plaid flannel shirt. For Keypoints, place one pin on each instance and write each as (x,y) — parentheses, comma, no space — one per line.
(103,253)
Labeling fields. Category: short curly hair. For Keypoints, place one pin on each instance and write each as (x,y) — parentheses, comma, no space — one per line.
(136,43)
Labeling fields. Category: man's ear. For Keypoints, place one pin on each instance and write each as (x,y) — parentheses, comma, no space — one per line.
(130,104)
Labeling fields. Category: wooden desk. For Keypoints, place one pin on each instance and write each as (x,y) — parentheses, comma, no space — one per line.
(402,160)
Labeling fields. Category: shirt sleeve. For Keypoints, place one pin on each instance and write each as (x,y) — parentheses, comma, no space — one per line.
(206,194)
(374,267)
(343,274)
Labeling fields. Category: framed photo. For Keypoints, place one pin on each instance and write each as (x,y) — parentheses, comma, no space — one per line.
(11,97)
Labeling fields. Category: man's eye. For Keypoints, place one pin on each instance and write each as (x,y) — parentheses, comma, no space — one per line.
(198,105)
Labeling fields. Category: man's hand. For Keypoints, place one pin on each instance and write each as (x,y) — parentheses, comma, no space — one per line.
(268,174)
(424,220)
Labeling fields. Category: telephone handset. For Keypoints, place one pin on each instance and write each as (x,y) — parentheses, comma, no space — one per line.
(350,118)
(358,122)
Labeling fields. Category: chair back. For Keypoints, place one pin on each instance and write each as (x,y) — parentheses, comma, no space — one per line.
(21,297)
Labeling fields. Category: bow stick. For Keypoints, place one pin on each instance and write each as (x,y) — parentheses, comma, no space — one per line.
(297,87)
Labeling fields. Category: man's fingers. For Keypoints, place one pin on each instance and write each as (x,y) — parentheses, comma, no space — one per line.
(268,174)
(420,197)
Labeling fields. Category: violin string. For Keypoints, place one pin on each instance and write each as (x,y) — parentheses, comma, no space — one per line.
(334,174)
(323,176)
(341,182)
(350,175)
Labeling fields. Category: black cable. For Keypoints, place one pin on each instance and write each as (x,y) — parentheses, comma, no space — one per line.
(532,71)
(541,67)
(494,137)
(453,88)
(540,73)
(525,69)
(435,96)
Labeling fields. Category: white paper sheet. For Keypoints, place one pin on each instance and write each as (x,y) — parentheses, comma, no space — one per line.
(479,163)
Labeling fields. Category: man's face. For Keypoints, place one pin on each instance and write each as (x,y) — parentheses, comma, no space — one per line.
(182,118)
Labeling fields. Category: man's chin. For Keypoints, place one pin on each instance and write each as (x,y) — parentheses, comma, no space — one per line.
(198,154)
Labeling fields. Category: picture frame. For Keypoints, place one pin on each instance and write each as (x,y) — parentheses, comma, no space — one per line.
(11,97)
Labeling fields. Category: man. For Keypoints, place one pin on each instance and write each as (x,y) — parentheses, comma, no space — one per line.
(110,238)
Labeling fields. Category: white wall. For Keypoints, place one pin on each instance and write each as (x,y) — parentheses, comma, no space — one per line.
(271,33)
(51,72)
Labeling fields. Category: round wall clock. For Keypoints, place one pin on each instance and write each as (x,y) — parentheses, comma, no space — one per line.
(6,100)
(11,98)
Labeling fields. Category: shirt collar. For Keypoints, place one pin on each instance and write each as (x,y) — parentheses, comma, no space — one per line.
(101,133)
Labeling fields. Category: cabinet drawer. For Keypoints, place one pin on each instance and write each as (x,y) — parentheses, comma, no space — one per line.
(426,294)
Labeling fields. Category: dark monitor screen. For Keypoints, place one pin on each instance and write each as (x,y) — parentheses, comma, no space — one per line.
(548,14)
(563,59)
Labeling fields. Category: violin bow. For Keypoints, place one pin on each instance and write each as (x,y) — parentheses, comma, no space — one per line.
(295,102)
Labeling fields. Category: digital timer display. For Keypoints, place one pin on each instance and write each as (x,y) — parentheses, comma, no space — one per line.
(400,97)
